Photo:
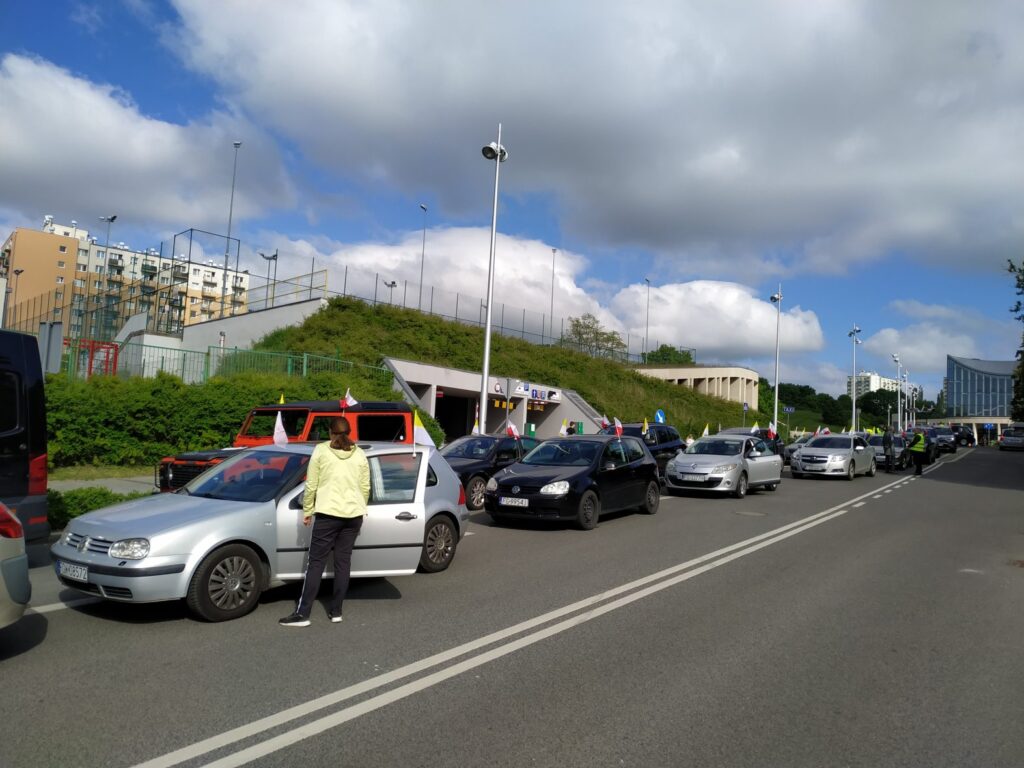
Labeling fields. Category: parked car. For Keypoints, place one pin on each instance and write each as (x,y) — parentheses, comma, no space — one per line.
(23,473)
(964,435)
(576,478)
(476,457)
(844,455)
(787,452)
(15,588)
(661,440)
(777,444)
(931,445)
(899,452)
(945,440)
(236,530)
(1012,439)
(725,464)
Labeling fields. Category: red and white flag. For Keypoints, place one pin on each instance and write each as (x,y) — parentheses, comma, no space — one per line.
(771,430)
(605,423)
(817,430)
(618,427)
(348,401)
(826,431)
(512,431)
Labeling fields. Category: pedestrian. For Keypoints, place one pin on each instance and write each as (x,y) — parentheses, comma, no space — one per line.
(337,491)
(887,441)
(917,449)
(689,440)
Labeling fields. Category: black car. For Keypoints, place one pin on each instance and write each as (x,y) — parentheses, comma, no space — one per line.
(777,444)
(476,457)
(661,440)
(576,478)
(964,436)
(945,439)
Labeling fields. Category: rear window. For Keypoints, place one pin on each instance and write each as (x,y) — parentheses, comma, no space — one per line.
(378,427)
(261,423)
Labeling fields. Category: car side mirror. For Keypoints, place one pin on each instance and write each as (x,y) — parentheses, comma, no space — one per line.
(858,447)
(608,465)
(752,454)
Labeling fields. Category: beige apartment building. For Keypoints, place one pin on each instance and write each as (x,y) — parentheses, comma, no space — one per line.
(61,273)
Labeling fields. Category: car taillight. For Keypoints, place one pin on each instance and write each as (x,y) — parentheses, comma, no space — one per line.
(37,475)
(10,527)
(462,494)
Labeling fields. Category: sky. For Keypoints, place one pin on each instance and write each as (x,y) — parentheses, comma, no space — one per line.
(684,159)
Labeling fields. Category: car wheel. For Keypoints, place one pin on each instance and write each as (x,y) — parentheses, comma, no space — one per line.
(651,499)
(589,510)
(439,544)
(872,468)
(851,471)
(226,585)
(963,441)
(741,486)
(475,493)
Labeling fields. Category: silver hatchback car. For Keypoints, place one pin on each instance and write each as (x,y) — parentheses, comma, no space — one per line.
(15,588)
(844,455)
(236,530)
(725,463)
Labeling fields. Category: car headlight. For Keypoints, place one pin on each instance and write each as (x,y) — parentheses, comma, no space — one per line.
(492,484)
(559,488)
(723,468)
(129,549)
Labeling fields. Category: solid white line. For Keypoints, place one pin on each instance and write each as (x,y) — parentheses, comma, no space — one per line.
(256,727)
(51,607)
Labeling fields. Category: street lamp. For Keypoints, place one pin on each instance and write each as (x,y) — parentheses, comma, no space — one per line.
(14,297)
(109,220)
(647,322)
(227,243)
(423,256)
(899,393)
(271,258)
(853,382)
(551,316)
(391,285)
(776,299)
(496,152)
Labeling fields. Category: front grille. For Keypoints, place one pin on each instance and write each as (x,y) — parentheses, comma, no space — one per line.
(121,593)
(96,545)
(182,474)
(81,586)
(814,459)
(524,490)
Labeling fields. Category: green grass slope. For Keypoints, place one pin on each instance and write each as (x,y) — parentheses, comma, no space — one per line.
(362,333)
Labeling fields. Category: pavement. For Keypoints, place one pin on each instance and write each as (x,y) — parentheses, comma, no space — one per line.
(135,484)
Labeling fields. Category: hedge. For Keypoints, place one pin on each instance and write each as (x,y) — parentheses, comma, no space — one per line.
(67,505)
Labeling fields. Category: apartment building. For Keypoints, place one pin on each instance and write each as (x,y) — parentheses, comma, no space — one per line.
(869,381)
(61,272)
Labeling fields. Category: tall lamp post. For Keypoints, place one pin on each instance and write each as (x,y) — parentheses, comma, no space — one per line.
(551,316)
(496,152)
(391,290)
(647,322)
(14,296)
(899,393)
(271,258)
(853,382)
(109,220)
(423,256)
(227,243)
(776,299)
(908,413)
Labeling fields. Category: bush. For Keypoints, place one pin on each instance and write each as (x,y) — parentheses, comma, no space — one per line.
(63,507)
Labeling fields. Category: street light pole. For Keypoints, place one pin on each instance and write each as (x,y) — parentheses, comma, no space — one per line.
(106,249)
(271,258)
(496,152)
(423,256)
(551,315)
(853,382)
(14,296)
(391,289)
(647,322)
(227,243)
(776,299)
(899,393)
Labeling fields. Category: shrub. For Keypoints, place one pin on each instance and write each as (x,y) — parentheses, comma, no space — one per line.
(68,505)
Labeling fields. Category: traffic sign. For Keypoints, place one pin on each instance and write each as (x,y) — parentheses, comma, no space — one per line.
(746,407)
(789,409)
(659,416)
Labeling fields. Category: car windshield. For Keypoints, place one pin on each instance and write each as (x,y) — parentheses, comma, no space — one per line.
(1013,433)
(716,447)
(469,448)
(568,453)
(250,476)
(830,441)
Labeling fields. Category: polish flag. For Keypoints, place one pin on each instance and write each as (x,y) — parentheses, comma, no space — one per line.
(605,423)
(618,427)
(817,430)
(348,401)
(512,431)
(771,430)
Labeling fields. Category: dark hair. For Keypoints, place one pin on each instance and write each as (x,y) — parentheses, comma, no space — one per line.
(340,430)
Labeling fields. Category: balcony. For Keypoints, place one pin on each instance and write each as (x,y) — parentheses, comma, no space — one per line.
(238,299)
(115,261)
(210,293)
(180,270)
(149,269)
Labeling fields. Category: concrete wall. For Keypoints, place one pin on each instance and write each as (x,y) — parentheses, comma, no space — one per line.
(243,330)
(733,383)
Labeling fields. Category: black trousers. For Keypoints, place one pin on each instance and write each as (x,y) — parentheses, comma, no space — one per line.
(339,534)
(918,457)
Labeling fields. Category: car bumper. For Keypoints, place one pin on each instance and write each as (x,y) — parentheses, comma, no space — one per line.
(538,507)
(819,469)
(17,589)
(720,483)
(137,581)
(32,514)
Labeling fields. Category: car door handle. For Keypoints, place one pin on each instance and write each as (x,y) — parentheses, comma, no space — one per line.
(405,516)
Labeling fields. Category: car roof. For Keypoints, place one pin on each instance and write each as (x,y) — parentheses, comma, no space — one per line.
(370,448)
(334,406)
(599,438)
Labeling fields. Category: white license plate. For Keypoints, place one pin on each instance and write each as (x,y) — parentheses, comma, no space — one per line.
(73,572)
(512,501)
(693,478)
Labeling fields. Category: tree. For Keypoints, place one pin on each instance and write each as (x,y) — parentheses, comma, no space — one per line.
(1017,402)
(670,355)
(587,335)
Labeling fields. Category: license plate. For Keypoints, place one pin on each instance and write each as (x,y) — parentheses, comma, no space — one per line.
(693,478)
(512,501)
(72,571)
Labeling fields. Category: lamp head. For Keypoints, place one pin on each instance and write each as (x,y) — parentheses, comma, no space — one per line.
(495,150)
(17,272)
(236,144)
(423,207)
(776,298)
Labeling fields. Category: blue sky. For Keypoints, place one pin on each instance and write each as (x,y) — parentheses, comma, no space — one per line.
(865,155)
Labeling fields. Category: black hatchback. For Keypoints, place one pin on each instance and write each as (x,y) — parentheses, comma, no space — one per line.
(476,457)
(661,440)
(576,478)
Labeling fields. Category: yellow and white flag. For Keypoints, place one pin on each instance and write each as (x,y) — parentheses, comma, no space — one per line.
(647,427)
(706,432)
(419,432)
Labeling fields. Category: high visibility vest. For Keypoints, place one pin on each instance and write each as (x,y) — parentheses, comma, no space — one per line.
(918,446)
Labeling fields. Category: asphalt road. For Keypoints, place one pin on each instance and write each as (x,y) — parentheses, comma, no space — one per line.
(872,623)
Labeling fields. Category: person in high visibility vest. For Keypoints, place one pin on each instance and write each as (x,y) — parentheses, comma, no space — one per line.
(917,449)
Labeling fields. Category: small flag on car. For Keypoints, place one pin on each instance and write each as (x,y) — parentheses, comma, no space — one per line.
(280,436)
(618,427)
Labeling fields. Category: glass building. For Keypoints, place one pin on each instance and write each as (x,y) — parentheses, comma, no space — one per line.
(980,389)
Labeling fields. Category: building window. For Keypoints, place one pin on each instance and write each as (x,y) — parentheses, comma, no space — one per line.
(193,299)
(193,313)
(60,265)
(131,291)
(62,248)
(58,295)
(60,280)
(81,267)
(79,283)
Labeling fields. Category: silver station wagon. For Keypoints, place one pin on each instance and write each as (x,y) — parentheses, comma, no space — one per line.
(236,530)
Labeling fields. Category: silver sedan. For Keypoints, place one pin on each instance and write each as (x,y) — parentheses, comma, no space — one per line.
(725,464)
(237,530)
(843,455)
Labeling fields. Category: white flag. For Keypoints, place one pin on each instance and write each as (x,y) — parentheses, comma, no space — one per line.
(280,436)
(349,401)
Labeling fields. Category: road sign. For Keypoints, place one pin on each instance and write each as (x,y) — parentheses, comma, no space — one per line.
(746,407)
(659,416)
(789,409)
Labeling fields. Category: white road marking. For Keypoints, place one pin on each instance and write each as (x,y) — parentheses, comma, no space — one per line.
(888,490)
(584,610)
(861,503)
(877,497)
(50,608)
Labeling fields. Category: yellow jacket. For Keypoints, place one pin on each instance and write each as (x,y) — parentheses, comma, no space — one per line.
(337,482)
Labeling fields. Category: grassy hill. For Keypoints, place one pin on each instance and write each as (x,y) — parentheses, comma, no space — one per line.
(356,331)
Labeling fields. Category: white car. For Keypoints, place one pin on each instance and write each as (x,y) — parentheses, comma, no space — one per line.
(15,588)
(725,463)
(842,455)
(236,530)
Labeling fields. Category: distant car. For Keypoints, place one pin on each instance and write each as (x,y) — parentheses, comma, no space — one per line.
(899,451)
(1012,439)
(777,444)
(476,457)
(661,440)
(236,530)
(576,478)
(787,452)
(964,435)
(945,440)
(15,588)
(725,464)
(844,455)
